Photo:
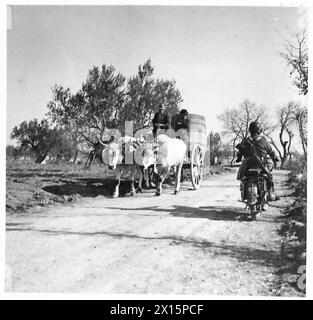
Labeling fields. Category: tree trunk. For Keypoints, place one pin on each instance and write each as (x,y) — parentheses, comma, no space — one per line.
(41,157)
(233,157)
(283,162)
(303,138)
(75,156)
(234,151)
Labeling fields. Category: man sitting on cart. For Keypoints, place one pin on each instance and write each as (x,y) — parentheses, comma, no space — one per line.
(182,121)
(181,125)
(160,120)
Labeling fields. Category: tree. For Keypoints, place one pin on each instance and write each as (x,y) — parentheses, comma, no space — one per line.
(295,54)
(101,98)
(38,138)
(165,92)
(104,102)
(236,121)
(289,117)
(296,162)
(301,121)
(144,94)
(215,145)
(63,115)
(285,116)
(10,152)
(226,153)
(138,100)
(62,147)
(93,109)
(34,136)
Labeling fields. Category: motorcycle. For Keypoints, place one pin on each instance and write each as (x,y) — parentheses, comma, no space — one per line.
(257,187)
(254,191)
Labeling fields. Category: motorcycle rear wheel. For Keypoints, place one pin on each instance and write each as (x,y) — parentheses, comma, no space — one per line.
(252,193)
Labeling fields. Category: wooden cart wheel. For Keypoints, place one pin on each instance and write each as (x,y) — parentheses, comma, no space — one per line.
(197,166)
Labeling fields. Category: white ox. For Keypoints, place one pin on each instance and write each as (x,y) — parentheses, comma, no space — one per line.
(170,152)
(113,156)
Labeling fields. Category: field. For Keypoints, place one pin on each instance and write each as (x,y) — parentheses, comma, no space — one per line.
(30,185)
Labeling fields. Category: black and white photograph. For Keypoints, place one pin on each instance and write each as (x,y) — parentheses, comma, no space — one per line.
(156,149)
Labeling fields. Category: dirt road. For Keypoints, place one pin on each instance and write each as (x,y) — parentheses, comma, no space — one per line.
(192,243)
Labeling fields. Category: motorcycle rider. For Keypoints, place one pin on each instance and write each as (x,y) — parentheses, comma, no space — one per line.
(257,144)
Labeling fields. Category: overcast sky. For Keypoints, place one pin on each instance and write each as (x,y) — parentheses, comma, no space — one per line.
(218,56)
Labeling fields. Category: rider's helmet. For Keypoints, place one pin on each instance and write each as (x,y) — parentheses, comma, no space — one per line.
(183,112)
(255,127)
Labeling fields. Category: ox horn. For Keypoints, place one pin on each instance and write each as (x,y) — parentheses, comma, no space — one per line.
(102,143)
(156,149)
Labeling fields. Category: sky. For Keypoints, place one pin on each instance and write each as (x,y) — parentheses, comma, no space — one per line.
(218,56)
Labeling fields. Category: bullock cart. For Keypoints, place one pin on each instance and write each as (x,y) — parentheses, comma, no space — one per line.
(196,140)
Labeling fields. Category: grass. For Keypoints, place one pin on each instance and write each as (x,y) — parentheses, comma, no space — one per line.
(293,232)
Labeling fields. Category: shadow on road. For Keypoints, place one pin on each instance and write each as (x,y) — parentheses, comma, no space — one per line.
(88,187)
(223,186)
(207,212)
(16,224)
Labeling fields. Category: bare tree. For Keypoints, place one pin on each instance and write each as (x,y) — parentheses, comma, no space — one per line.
(301,120)
(236,121)
(295,54)
(286,119)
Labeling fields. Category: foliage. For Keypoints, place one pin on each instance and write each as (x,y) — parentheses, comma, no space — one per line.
(93,109)
(144,94)
(220,153)
(296,163)
(294,228)
(215,145)
(301,121)
(226,153)
(295,54)
(63,113)
(38,139)
(10,152)
(34,136)
(62,146)
(104,102)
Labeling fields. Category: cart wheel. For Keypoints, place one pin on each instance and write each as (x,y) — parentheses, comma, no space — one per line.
(196,166)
